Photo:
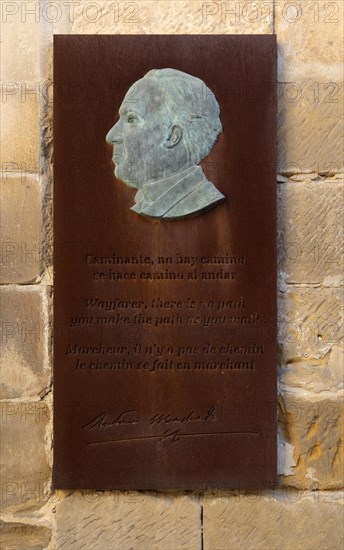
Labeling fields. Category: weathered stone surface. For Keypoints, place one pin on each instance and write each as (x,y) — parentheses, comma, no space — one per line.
(311,421)
(327,376)
(20,32)
(14,536)
(310,129)
(164,17)
(281,519)
(23,355)
(310,323)
(127,520)
(310,107)
(310,39)
(63,23)
(285,455)
(310,233)
(25,471)
(20,230)
(19,127)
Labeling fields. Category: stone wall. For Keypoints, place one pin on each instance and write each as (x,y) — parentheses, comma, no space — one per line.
(305,511)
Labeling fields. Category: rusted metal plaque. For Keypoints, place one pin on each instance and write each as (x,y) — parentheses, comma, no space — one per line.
(164,329)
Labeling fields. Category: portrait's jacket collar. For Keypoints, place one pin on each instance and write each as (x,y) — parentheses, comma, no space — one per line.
(182,194)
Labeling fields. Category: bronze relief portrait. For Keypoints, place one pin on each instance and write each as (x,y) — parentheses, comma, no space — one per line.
(168,122)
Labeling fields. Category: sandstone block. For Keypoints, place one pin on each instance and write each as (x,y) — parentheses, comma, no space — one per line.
(24,335)
(25,471)
(19,535)
(310,233)
(19,115)
(281,519)
(63,21)
(310,130)
(312,424)
(310,324)
(127,520)
(20,229)
(164,17)
(310,39)
(20,24)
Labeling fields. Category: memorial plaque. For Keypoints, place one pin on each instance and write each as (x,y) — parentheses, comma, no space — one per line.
(165,264)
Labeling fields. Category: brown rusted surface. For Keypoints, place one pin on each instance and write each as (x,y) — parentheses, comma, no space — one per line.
(165,362)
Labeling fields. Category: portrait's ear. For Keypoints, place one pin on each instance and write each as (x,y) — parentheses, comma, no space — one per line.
(174,136)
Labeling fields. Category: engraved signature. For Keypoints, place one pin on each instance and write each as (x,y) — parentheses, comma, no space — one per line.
(102,420)
(165,418)
(172,435)
(130,416)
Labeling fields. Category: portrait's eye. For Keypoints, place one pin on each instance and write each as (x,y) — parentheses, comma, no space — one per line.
(131,118)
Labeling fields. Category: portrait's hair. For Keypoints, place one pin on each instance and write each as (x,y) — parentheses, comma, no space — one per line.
(191,105)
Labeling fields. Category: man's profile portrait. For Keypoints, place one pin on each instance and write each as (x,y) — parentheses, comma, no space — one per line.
(168,122)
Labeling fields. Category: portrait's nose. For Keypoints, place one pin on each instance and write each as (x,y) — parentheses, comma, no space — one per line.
(114,135)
